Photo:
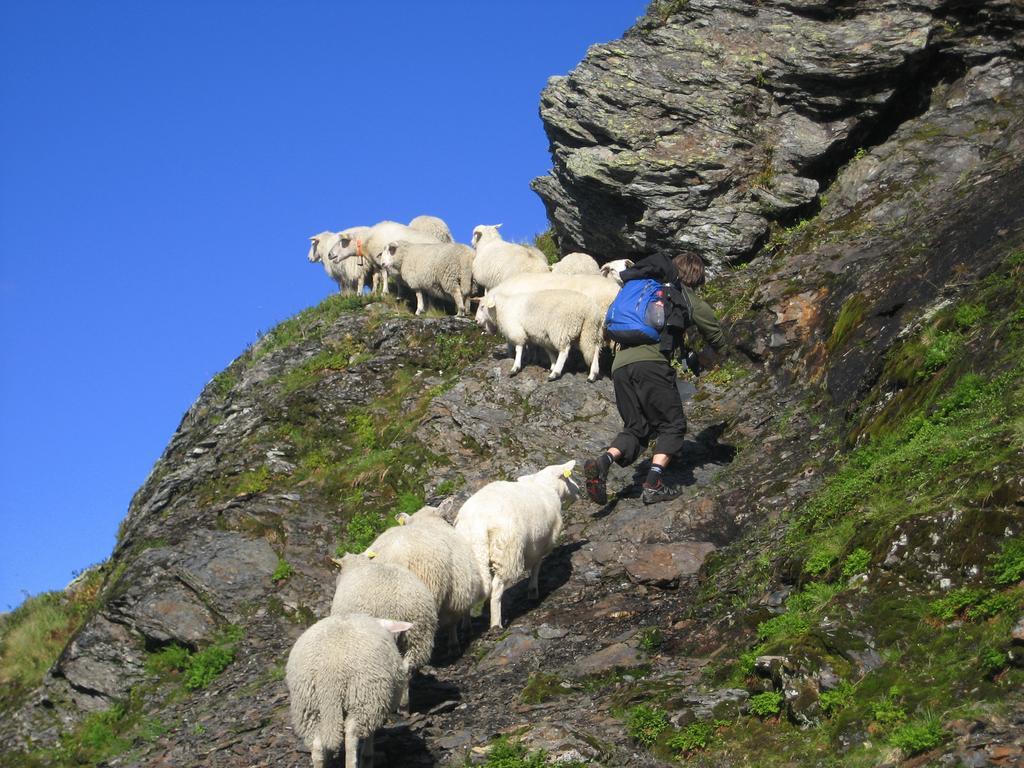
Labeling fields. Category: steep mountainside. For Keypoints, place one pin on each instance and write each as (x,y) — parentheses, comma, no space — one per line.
(841,583)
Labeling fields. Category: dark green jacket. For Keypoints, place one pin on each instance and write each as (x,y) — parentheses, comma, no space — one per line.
(689,309)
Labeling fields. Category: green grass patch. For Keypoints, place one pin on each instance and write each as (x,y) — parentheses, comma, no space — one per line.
(918,736)
(726,374)
(309,325)
(851,314)
(695,737)
(651,639)
(198,669)
(283,571)
(1008,565)
(766,704)
(541,687)
(252,482)
(504,753)
(336,356)
(856,562)
(837,699)
(33,635)
(967,316)
(224,382)
(645,724)
(803,611)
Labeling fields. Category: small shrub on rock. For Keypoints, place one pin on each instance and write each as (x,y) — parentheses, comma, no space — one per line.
(766,704)
(1008,565)
(694,737)
(645,724)
(918,736)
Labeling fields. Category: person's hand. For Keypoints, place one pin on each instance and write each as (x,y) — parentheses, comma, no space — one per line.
(693,363)
(707,359)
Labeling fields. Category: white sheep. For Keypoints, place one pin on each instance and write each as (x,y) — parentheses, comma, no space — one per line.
(611,269)
(429,547)
(497,260)
(351,274)
(576,264)
(344,675)
(602,290)
(377,239)
(367,586)
(512,526)
(432,225)
(555,319)
(443,270)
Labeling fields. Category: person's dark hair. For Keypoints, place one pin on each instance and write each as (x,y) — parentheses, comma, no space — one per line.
(690,268)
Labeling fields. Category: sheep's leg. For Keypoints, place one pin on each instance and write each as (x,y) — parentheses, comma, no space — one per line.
(384,281)
(595,364)
(318,752)
(403,704)
(517,366)
(351,743)
(559,364)
(497,588)
(453,639)
(533,592)
(420,304)
(460,306)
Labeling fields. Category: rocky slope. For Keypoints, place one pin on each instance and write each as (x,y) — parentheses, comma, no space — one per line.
(839,585)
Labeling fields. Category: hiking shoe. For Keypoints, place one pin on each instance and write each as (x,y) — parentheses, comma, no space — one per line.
(597,489)
(652,494)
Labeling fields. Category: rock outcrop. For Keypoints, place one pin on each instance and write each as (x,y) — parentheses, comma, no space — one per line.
(703,128)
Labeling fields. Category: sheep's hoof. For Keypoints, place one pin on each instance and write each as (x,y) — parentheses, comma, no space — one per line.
(553,375)
(514,371)
(591,378)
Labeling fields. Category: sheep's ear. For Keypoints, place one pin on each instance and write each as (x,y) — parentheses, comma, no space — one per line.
(497,226)
(402,518)
(395,627)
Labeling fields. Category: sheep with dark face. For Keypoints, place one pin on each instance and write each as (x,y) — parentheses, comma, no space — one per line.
(351,275)
(379,236)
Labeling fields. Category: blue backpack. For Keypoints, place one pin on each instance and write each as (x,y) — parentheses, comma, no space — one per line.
(637,314)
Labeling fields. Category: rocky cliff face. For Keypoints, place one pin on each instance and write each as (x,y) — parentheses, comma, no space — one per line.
(704,127)
(840,583)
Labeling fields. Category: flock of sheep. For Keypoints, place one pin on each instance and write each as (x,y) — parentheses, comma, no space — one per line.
(524,299)
(349,670)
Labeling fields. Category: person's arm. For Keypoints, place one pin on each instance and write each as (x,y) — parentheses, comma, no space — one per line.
(707,323)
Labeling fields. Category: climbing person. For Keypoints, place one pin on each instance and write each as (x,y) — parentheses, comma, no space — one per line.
(645,381)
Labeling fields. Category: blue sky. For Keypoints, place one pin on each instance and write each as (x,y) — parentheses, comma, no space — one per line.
(162,165)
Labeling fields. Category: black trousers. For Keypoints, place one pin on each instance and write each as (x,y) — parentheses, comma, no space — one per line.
(649,404)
